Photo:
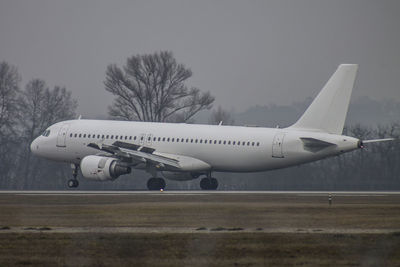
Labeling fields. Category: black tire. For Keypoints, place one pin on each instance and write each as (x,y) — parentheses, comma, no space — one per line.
(156,184)
(161,183)
(205,184)
(73,183)
(209,184)
(213,184)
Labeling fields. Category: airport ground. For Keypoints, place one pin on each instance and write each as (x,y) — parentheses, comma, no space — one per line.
(199,229)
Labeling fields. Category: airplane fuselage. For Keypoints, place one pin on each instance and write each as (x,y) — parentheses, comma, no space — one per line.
(222,148)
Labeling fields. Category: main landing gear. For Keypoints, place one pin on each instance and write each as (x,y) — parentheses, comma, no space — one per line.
(73,183)
(156,183)
(209,183)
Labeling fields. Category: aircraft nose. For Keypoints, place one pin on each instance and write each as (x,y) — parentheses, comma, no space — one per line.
(35,146)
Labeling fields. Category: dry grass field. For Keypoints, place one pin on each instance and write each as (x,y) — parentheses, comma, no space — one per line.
(199,230)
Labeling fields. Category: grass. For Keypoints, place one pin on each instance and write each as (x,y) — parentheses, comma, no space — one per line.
(211,211)
(203,249)
(219,223)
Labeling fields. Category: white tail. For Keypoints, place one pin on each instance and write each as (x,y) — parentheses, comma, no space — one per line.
(327,113)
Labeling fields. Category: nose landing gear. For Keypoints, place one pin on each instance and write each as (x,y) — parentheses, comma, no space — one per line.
(73,183)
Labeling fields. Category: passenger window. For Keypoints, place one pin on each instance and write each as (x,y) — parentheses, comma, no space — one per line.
(243,143)
(248,143)
(224,142)
(191,140)
(219,142)
(258,143)
(70,135)
(187,140)
(76,135)
(126,137)
(154,139)
(196,140)
(177,140)
(205,141)
(80,135)
(252,143)
(163,139)
(159,139)
(84,135)
(173,139)
(102,136)
(215,141)
(112,137)
(134,138)
(233,143)
(168,139)
(229,142)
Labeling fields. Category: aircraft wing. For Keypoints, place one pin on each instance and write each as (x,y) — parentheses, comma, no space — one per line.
(137,154)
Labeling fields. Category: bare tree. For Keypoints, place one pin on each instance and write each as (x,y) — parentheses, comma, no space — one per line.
(39,108)
(152,87)
(221,116)
(9,87)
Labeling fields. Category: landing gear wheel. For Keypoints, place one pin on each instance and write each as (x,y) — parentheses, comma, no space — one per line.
(214,184)
(209,183)
(73,183)
(156,184)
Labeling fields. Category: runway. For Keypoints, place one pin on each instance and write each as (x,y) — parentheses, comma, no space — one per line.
(166,192)
(178,228)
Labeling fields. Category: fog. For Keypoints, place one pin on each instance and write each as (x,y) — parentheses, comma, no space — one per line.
(246,53)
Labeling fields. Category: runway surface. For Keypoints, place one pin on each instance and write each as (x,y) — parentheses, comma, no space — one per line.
(298,193)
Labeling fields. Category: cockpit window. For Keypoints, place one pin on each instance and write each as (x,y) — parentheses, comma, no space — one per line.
(46,133)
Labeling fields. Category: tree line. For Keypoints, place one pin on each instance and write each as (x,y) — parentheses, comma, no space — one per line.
(24,114)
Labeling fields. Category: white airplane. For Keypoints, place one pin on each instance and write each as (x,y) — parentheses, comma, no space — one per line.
(104,149)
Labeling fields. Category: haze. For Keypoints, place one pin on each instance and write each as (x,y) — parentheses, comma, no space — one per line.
(245,53)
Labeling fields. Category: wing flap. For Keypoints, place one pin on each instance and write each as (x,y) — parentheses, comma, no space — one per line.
(137,153)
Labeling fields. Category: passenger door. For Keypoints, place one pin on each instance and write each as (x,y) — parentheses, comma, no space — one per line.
(62,135)
(277,145)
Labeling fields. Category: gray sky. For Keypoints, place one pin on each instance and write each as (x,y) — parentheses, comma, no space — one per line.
(244,52)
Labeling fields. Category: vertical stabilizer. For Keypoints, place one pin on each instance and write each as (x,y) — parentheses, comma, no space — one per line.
(327,113)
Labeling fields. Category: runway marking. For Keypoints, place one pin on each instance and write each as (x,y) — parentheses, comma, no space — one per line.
(187,230)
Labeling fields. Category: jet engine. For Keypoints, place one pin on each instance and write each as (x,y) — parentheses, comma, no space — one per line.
(180,176)
(103,168)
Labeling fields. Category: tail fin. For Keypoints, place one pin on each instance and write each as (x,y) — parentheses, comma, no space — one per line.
(327,113)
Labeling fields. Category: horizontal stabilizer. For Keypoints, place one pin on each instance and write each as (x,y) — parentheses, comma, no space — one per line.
(315,145)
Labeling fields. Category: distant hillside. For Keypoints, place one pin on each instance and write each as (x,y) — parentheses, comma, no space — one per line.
(364,111)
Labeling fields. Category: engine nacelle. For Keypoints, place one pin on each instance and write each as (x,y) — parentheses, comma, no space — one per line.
(180,176)
(102,168)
